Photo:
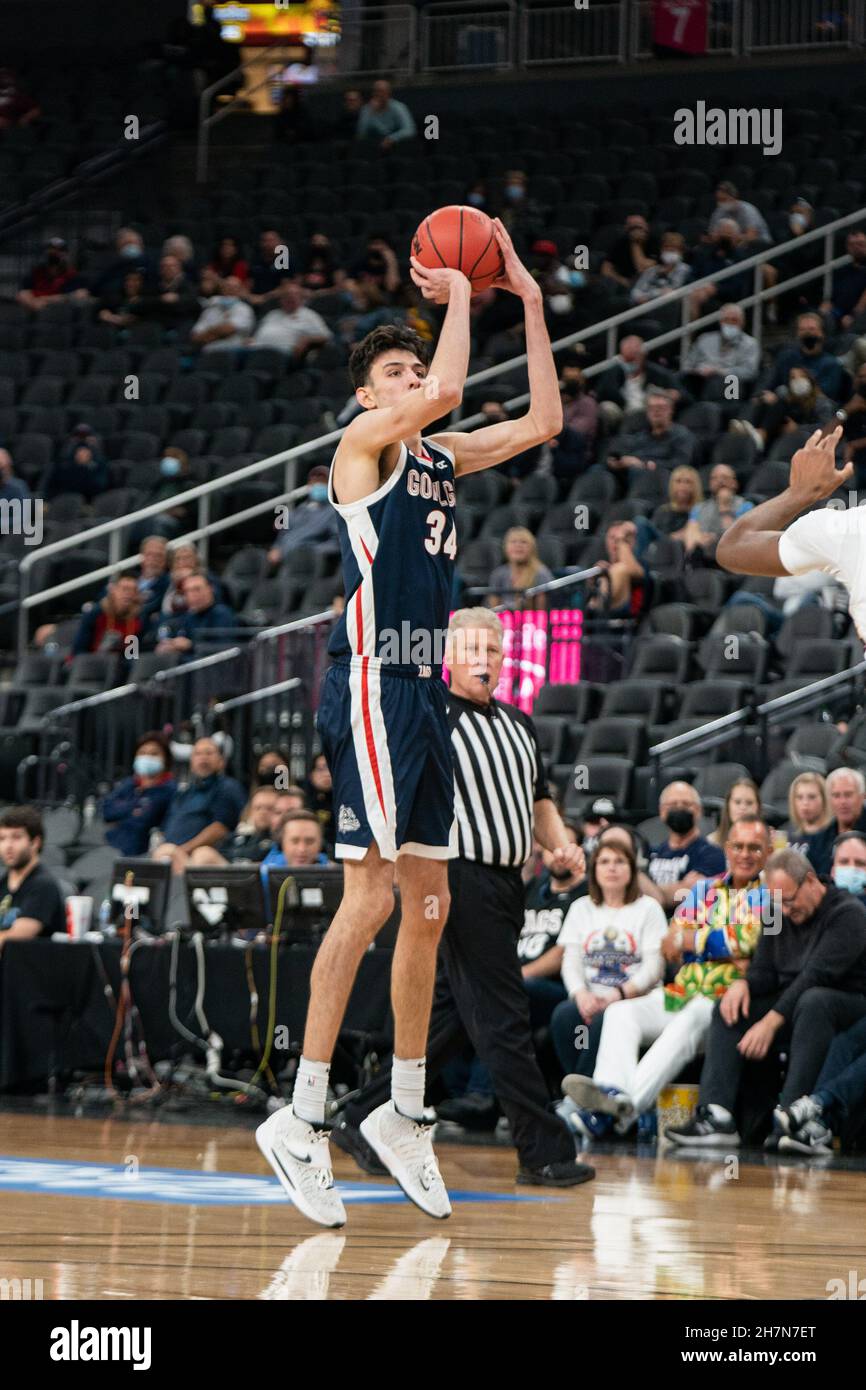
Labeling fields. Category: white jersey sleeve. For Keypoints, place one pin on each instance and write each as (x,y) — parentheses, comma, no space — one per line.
(814,542)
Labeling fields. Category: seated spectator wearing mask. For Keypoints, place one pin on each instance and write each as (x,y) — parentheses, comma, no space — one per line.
(271,769)
(51,279)
(312,522)
(847,302)
(138,804)
(724,248)
(685,857)
(623,589)
(846,792)
(709,520)
(205,619)
(205,811)
(226,320)
(685,492)
(749,221)
(797,406)
(107,625)
(805,983)
(810,352)
(318,790)
(625,385)
(130,256)
(252,839)
(721,354)
(809,811)
(631,254)
(670,272)
(291,328)
(522,570)
(659,446)
(611,941)
(789,225)
(555,279)
(81,467)
(522,215)
(574,446)
(174,478)
(849,863)
(712,938)
(31,901)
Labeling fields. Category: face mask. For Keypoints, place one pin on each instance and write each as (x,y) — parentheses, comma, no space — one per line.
(576,279)
(810,341)
(514,190)
(589,844)
(169,467)
(319,492)
(729,331)
(226,301)
(850,878)
(560,303)
(131,252)
(799,386)
(681,822)
(630,368)
(724,243)
(560,875)
(147,765)
(476,200)
(797,222)
(671,257)
(572,388)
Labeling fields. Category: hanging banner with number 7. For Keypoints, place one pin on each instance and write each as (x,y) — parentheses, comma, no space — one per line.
(681,25)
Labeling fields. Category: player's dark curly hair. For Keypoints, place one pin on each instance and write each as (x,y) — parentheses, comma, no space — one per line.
(383,339)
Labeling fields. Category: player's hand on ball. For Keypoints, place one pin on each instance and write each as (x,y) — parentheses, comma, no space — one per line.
(515,277)
(813,468)
(570,857)
(435,285)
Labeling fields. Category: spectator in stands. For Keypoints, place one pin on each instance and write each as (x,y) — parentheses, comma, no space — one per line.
(625,385)
(119,304)
(269,269)
(574,446)
(685,492)
(632,926)
(184,560)
(797,220)
(808,1124)
(318,790)
(521,213)
(660,445)
(292,122)
(321,274)
(228,261)
(226,321)
(808,811)
(152,575)
(810,352)
(205,811)
(131,255)
(81,467)
(713,935)
(204,622)
(17,106)
(300,845)
(12,489)
(169,302)
(138,804)
(623,588)
(345,127)
(51,279)
(546,904)
(182,248)
(743,799)
(721,354)
(384,119)
(725,248)
(797,406)
(846,792)
(312,522)
(292,799)
(632,254)
(709,520)
(686,856)
(31,902)
(252,840)
(174,478)
(292,328)
(805,983)
(377,264)
(669,272)
(848,870)
(847,300)
(272,768)
(750,223)
(555,279)
(522,570)
(107,626)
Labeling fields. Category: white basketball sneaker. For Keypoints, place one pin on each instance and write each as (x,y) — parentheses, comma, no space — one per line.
(406,1149)
(300,1157)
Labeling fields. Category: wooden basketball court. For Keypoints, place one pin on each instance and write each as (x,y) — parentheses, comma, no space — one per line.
(112,1208)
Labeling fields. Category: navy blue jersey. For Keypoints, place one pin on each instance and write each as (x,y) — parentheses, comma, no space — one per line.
(398,547)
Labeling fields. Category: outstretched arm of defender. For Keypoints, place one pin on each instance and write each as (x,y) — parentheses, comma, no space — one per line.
(495,443)
(751,544)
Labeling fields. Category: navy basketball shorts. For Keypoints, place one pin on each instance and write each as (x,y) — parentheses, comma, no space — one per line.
(388,746)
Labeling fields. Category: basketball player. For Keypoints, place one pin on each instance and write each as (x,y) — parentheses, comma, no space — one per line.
(382,715)
(761,541)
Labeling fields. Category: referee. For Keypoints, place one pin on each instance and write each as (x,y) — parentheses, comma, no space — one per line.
(501,803)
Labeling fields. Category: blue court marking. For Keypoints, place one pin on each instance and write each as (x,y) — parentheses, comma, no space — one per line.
(189,1186)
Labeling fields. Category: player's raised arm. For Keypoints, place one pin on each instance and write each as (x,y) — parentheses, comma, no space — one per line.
(751,544)
(495,443)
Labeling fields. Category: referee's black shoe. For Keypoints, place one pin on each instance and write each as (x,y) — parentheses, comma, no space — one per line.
(350,1139)
(567,1174)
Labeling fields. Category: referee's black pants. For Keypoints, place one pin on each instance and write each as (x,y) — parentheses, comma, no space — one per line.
(480,998)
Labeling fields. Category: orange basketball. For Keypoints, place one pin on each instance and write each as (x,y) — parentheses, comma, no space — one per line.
(463,239)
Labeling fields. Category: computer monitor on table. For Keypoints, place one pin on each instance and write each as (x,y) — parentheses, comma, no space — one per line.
(312,899)
(226,900)
(139,893)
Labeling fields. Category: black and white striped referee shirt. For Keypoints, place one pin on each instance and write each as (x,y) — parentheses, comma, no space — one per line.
(498,777)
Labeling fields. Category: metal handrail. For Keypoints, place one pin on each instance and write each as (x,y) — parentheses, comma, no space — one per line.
(103,697)
(253,695)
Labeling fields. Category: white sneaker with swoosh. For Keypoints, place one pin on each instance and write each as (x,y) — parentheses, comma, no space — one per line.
(406,1149)
(299,1155)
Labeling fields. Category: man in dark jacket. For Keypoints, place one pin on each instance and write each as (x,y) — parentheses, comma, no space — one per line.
(806,982)
(205,620)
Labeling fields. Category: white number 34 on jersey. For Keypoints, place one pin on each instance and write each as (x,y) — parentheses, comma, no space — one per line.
(437,521)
